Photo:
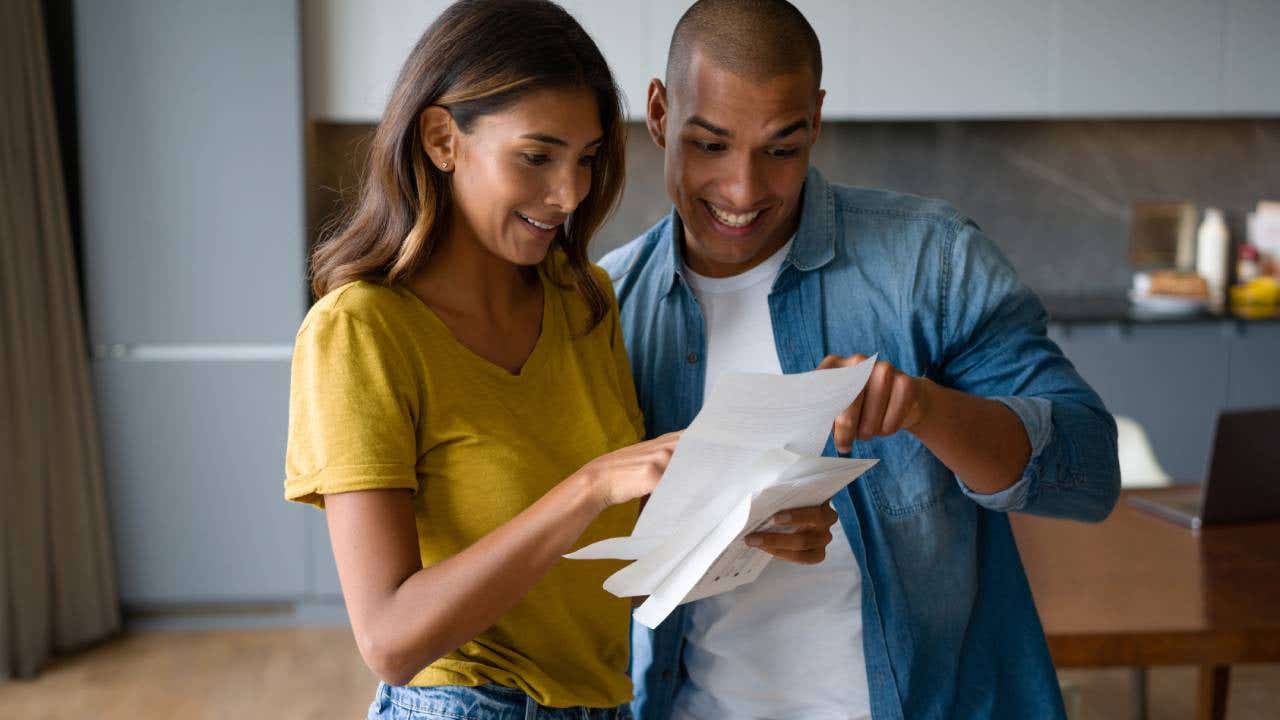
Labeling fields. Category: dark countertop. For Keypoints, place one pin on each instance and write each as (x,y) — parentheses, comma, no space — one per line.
(1118,309)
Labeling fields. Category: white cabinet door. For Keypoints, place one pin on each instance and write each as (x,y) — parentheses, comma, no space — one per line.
(194,461)
(624,34)
(1251,76)
(1137,57)
(322,573)
(354,50)
(936,59)
(191,159)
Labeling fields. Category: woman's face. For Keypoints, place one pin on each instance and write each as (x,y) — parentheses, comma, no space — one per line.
(519,173)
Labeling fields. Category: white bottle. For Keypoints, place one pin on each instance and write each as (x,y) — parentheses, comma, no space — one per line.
(1211,255)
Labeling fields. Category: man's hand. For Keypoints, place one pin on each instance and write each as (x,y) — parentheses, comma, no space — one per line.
(800,535)
(891,401)
(979,439)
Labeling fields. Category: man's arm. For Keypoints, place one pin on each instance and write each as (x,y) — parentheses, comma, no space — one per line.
(980,440)
(1008,414)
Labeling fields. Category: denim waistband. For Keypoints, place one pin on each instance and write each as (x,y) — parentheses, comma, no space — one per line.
(483,702)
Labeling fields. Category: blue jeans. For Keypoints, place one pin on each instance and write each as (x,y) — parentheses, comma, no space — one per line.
(485,702)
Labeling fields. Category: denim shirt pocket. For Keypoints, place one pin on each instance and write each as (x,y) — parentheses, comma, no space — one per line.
(908,480)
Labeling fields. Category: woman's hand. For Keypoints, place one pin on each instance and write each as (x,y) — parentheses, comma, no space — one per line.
(632,472)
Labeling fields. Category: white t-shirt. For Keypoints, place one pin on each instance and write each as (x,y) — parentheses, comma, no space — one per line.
(788,645)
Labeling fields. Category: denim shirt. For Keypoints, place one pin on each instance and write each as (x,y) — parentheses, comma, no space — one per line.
(949,626)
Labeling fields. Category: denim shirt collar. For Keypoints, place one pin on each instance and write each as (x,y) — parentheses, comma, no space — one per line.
(814,244)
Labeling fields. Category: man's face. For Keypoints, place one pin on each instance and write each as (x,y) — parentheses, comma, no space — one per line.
(737,150)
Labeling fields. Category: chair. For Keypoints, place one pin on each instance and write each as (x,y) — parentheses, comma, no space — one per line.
(1138,464)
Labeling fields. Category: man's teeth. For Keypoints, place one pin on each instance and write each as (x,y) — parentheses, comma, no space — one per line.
(535,223)
(733,220)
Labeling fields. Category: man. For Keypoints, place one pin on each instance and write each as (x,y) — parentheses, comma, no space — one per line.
(920,608)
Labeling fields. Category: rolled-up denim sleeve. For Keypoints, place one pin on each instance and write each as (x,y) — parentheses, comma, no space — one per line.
(1036,415)
(997,346)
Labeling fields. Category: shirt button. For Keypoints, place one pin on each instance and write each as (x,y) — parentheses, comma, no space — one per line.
(693,358)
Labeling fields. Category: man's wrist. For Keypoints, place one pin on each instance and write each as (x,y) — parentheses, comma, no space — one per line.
(920,419)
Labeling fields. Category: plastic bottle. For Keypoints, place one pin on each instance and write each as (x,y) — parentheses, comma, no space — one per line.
(1211,255)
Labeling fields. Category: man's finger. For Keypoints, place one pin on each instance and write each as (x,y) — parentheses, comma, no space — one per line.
(831,361)
(835,361)
(796,541)
(819,516)
(807,557)
(876,394)
(901,398)
(845,428)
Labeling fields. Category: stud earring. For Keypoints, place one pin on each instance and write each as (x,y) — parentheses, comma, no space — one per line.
(444,166)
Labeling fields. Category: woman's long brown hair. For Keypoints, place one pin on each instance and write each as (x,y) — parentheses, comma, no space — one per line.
(478,57)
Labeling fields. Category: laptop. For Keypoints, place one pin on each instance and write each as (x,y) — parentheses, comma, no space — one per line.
(1243,482)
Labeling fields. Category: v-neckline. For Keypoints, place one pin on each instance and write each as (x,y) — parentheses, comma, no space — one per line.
(531,363)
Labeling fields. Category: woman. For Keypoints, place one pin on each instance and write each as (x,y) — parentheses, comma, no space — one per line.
(461,403)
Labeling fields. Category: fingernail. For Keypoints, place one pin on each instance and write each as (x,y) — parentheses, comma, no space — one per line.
(782,517)
(753,541)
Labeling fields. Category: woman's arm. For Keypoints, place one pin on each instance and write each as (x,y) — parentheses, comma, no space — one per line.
(405,616)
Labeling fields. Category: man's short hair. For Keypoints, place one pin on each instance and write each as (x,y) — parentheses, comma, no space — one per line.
(756,38)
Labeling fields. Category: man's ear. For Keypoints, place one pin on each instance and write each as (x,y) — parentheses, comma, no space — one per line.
(439,136)
(656,113)
(817,115)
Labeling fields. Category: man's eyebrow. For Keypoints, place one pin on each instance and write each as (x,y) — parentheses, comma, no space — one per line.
(797,125)
(553,140)
(707,125)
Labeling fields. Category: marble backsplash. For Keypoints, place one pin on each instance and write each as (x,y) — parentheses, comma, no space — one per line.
(1055,195)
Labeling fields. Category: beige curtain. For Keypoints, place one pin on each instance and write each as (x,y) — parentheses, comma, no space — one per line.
(57,584)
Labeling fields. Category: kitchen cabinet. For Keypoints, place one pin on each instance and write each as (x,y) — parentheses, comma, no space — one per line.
(191,160)
(322,573)
(1253,378)
(1171,378)
(913,59)
(190,121)
(1251,72)
(193,456)
(1137,57)
(932,58)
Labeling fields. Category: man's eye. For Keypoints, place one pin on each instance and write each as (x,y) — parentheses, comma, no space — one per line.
(708,146)
(783,152)
(533,159)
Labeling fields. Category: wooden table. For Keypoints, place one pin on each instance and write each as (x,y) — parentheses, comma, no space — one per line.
(1137,590)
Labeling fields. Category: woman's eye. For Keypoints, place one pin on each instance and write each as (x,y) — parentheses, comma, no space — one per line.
(534,159)
(782,152)
(587,160)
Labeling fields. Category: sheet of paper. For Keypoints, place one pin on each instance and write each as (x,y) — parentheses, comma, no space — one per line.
(723,561)
(807,482)
(745,415)
(752,452)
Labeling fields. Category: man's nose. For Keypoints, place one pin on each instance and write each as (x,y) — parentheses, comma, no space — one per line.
(743,182)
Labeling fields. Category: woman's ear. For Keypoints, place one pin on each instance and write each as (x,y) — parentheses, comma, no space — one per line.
(439,135)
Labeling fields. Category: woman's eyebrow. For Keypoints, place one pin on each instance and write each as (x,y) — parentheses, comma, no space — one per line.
(553,140)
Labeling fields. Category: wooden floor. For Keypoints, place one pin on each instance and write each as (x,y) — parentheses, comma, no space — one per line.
(296,674)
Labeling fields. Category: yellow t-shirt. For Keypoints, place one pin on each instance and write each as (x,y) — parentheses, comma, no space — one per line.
(384,396)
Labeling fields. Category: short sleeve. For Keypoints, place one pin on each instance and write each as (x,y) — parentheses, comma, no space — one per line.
(352,410)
